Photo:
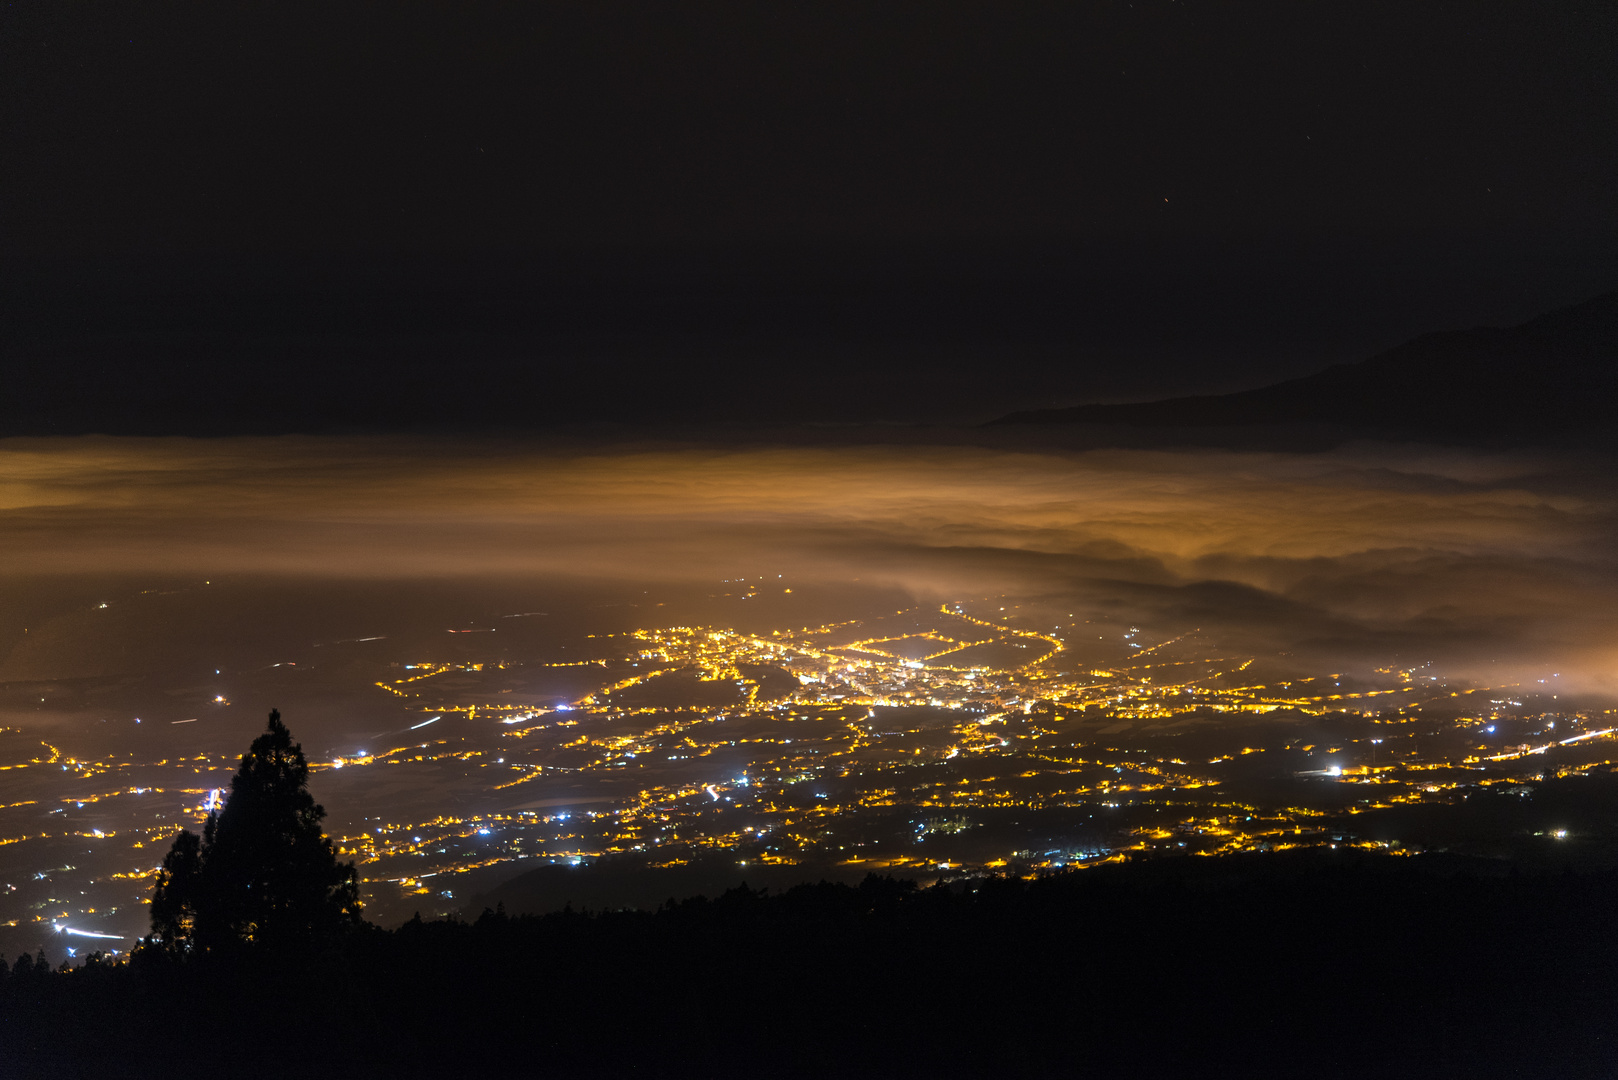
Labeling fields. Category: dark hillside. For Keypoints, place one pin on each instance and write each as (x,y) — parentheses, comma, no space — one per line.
(1554,374)
(1303,964)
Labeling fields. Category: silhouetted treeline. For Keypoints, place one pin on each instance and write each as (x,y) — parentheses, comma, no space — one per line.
(1306,964)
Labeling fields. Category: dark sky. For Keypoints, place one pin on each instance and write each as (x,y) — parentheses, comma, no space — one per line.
(1123,198)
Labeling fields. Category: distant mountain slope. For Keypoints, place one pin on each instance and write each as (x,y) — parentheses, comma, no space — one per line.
(1554,374)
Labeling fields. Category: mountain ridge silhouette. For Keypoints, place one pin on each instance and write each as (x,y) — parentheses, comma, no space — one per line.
(1554,374)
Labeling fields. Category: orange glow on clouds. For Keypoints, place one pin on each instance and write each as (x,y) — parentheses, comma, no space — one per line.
(1464,543)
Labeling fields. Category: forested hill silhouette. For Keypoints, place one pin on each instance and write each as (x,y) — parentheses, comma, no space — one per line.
(1321,963)
(1553,376)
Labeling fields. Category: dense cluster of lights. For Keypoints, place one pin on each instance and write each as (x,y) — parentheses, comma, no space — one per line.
(912,745)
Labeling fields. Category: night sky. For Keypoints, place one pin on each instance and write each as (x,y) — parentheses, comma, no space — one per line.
(655,203)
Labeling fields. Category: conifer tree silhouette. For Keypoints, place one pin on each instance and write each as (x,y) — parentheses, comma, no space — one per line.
(262,874)
(174,901)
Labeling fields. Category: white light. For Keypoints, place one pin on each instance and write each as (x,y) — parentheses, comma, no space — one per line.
(424,723)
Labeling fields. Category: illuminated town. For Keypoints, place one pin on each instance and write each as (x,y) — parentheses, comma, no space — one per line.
(930,743)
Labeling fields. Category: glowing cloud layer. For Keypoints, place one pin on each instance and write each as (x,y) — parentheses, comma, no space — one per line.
(1446,550)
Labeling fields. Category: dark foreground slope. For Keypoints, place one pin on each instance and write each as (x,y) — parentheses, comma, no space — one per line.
(1550,376)
(1304,964)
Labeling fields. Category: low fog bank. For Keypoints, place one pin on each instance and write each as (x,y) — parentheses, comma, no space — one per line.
(1495,565)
